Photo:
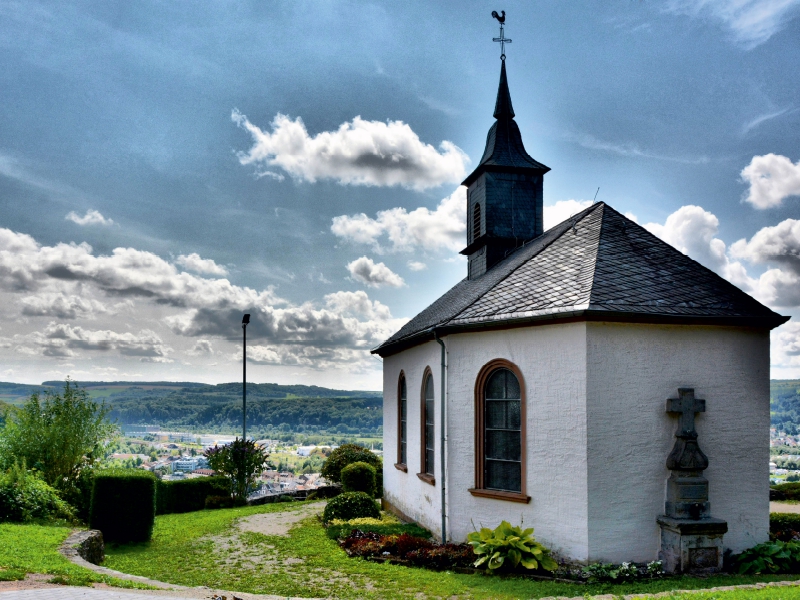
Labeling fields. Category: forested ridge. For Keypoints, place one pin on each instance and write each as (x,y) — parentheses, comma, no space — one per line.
(203,407)
(785,405)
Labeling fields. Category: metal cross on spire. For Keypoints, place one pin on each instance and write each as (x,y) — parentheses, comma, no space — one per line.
(502,39)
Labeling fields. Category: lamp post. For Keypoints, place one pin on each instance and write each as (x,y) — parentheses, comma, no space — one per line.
(245,321)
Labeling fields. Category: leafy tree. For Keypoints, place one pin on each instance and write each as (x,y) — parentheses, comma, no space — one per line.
(58,434)
(241,461)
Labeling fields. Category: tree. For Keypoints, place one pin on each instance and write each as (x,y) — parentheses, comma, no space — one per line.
(241,461)
(58,434)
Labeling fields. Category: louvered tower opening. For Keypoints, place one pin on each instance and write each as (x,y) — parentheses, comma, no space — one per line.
(476,222)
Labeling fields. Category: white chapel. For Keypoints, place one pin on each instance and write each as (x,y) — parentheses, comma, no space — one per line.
(590,381)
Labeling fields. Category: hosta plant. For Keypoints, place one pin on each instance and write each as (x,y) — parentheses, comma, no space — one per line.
(510,547)
(769,557)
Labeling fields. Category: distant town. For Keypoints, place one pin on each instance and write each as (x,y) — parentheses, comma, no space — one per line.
(175,455)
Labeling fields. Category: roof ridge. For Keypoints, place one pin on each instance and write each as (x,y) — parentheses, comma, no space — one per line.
(567,224)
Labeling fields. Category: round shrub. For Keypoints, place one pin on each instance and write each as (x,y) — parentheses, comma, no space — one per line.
(347,454)
(359,477)
(351,505)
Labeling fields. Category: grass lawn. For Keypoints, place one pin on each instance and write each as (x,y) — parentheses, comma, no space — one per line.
(34,549)
(202,548)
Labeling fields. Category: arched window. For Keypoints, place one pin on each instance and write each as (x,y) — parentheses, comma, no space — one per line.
(500,433)
(402,423)
(476,222)
(427,422)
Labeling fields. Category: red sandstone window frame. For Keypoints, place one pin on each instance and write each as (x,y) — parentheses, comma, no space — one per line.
(401,464)
(480,396)
(423,474)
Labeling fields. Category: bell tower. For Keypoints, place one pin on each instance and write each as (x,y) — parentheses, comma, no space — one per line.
(504,192)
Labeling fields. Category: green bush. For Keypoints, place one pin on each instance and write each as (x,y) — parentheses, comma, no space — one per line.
(347,454)
(25,497)
(188,495)
(342,531)
(123,504)
(785,491)
(509,546)
(351,505)
(359,477)
(784,526)
(769,557)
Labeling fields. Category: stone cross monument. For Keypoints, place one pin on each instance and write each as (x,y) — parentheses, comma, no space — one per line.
(691,540)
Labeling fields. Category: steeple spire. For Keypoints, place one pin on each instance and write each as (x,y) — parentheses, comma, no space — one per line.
(502,107)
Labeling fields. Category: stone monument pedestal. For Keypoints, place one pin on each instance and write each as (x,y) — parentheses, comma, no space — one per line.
(691,540)
(691,546)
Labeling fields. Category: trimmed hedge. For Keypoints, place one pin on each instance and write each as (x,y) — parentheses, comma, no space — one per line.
(351,505)
(785,491)
(784,526)
(359,477)
(342,531)
(188,495)
(350,453)
(123,505)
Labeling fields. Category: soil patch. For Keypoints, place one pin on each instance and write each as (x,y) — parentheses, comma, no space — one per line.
(278,523)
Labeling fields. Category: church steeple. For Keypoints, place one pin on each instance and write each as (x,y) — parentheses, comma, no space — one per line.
(504,192)
(502,107)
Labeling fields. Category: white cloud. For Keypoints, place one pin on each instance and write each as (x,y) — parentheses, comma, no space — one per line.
(69,279)
(358,153)
(785,345)
(92,217)
(752,124)
(201,347)
(357,303)
(562,210)
(415,265)
(772,178)
(61,305)
(306,356)
(205,266)
(778,244)
(440,229)
(752,22)
(127,272)
(61,340)
(365,270)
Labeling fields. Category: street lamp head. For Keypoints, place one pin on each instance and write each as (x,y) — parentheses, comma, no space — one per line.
(246,319)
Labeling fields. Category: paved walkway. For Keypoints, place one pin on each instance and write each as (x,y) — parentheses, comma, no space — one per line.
(83,593)
(784,507)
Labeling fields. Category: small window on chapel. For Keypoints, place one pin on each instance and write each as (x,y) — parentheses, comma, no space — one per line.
(428,433)
(402,422)
(476,222)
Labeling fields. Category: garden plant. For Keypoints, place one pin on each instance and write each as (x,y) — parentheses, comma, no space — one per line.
(241,461)
(510,547)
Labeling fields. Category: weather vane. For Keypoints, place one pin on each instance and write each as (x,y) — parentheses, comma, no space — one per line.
(502,39)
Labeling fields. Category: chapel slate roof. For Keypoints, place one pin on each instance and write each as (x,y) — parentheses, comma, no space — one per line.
(596,265)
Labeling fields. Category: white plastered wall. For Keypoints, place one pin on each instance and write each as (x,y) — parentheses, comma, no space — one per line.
(413,497)
(552,360)
(631,371)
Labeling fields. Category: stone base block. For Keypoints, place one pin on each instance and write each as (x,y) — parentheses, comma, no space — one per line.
(691,546)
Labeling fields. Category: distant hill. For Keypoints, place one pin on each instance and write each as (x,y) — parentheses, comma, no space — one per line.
(187,406)
(785,405)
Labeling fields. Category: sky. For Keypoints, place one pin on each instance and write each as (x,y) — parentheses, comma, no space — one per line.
(166,167)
